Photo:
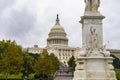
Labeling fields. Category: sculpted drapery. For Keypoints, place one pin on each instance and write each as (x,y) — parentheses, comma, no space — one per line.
(94,38)
(92,5)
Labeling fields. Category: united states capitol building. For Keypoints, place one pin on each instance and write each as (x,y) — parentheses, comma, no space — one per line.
(57,43)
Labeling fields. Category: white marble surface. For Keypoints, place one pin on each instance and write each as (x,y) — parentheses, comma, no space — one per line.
(93,61)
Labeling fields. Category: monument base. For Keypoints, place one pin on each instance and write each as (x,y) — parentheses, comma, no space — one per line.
(94,66)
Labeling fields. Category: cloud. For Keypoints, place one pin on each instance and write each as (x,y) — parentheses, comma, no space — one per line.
(4,4)
(111,23)
(29,21)
(18,24)
(21,23)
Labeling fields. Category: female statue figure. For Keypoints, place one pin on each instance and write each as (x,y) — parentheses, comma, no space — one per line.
(92,5)
(94,38)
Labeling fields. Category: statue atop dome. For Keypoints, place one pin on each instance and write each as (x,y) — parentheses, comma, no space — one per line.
(57,20)
(92,5)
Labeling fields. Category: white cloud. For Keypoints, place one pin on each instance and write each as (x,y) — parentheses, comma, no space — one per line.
(40,16)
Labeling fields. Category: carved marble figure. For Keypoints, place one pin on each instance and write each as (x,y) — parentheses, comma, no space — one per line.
(92,5)
(94,38)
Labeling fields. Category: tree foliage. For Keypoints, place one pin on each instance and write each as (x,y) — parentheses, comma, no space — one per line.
(11,59)
(55,61)
(28,63)
(116,62)
(117,73)
(46,65)
(71,63)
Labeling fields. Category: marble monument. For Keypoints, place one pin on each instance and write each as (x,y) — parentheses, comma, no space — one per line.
(93,61)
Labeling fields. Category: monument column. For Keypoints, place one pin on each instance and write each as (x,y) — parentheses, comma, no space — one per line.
(93,22)
(93,62)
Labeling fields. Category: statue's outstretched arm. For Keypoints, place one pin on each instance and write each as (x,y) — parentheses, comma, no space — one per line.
(91,30)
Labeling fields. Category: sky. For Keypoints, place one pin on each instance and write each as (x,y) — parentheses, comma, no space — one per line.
(28,22)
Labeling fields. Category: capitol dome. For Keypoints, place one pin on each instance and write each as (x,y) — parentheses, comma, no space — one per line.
(57,35)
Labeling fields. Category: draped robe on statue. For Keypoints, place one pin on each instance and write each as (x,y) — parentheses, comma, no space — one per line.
(92,5)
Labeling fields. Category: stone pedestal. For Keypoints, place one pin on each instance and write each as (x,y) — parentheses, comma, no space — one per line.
(94,66)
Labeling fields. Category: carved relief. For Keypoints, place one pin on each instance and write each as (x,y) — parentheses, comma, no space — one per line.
(94,37)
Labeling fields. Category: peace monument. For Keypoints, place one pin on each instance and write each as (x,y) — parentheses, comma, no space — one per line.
(93,61)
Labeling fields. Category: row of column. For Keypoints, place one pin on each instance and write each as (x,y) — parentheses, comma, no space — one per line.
(65,54)
(65,42)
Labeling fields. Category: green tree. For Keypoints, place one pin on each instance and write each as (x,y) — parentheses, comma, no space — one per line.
(44,65)
(55,61)
(28,63)
(71,63)
(117,73)
(11,61)
(116,62)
